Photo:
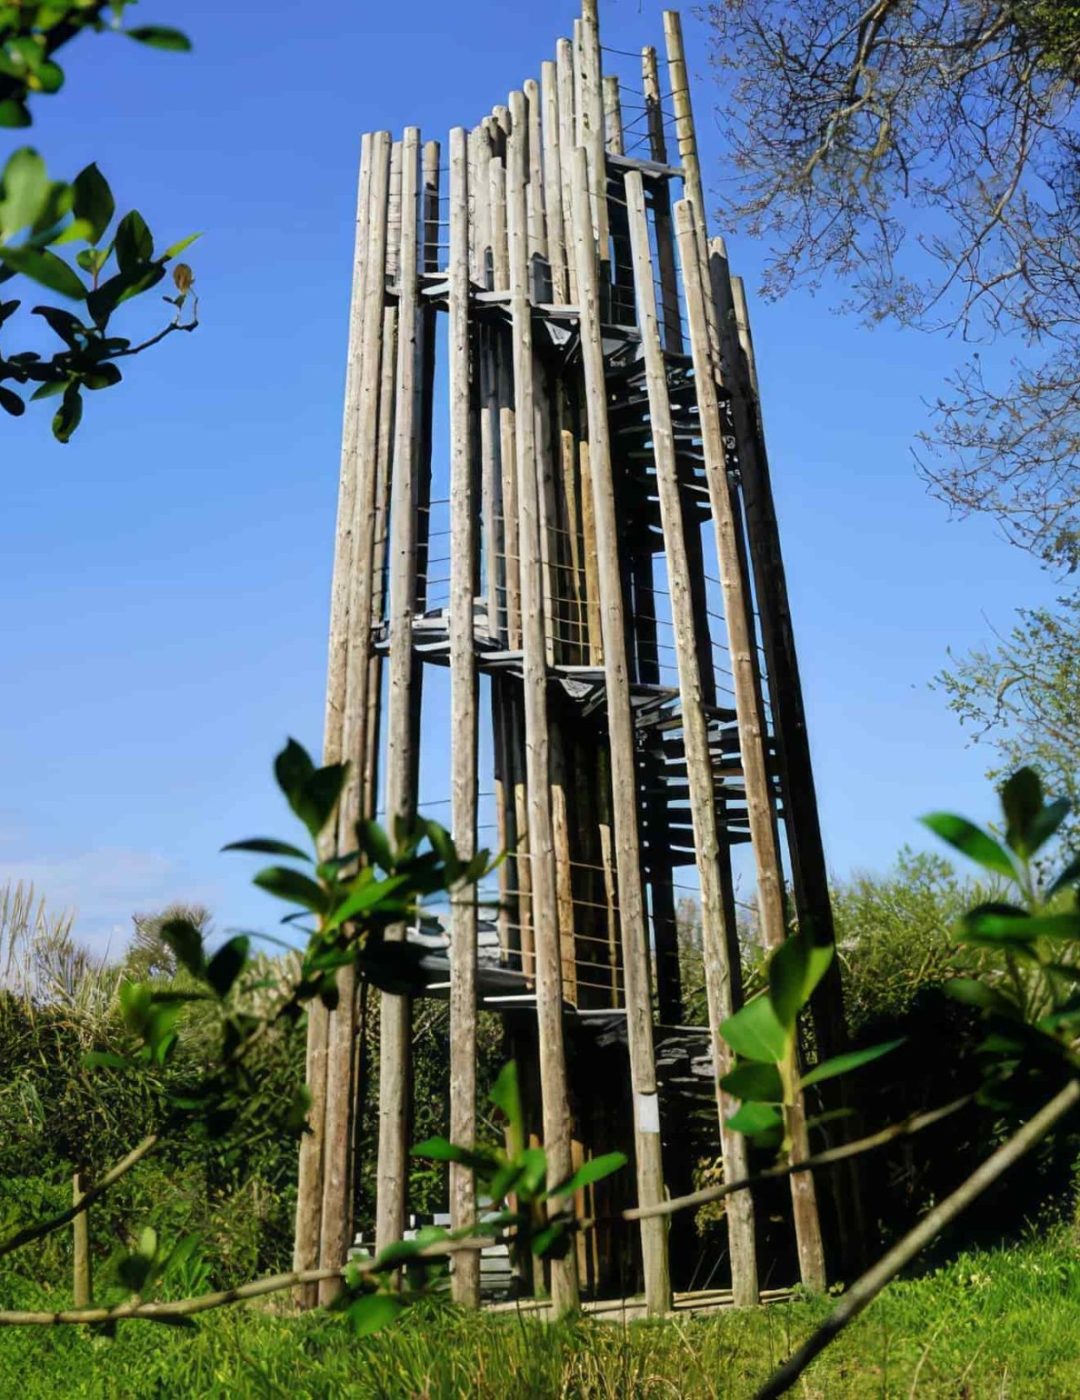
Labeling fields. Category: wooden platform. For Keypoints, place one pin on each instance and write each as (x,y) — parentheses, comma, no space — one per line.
(707,1300)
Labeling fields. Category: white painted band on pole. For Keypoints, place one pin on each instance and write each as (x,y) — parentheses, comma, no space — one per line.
(647,1113)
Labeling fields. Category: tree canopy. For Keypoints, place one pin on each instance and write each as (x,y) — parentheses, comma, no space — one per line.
(927,154)
(39,216)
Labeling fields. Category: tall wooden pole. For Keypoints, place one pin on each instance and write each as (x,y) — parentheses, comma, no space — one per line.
(665,242)
(720,945)
(324,1148)
(756,780)
(395,1012)
(635,949)
(549,1005)
(465,1279)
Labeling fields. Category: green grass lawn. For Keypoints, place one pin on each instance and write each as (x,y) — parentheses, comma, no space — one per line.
(1004,1323)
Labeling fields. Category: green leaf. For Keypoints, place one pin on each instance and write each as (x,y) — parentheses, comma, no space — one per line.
(26,187)
(134,242)
(974,993)
(795,969)
(104,1059)
(1021,801)
(68,327)
(42,266)
(104,300)
(319,797)
(974,843)
(1069,876)
(370,895)
(49,390)
(551,1242)
(533,1162)
(373,1312)
(133,1272)
(299,1106)
(104,377)
(752,1080)
(185,940)
(756,1032)
(1047,822)
(1005,923)
(264,845)
(181,1252)
(48,76)
(754,1118)
(174,248)
(159,36)
(14,113)
(227,963)
(92,260)
(292,768)
(11,403)
(439,1149)
(844,1064)
(595,1169)
(69,415)
(374,842)
(136,999)
(93,201)
(293,885)
(506,1096)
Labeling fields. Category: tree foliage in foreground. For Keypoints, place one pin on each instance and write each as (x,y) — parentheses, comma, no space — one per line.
(927,153)
(41,219)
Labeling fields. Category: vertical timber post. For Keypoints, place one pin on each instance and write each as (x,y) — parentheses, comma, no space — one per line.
(395,1018)
(749,718)
(720,946)
(549,1001)
(638,998)
(465,1278)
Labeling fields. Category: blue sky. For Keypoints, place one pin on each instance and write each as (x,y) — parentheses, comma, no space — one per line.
(164,579)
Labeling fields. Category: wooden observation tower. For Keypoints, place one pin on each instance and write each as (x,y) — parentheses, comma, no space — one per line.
(558,585)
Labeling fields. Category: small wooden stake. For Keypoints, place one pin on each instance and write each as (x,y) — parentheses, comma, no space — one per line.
(80,1236)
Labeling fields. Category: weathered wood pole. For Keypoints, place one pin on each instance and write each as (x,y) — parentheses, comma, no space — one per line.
(81,1296)
(635,947)
(465,1278)
(665,239)
(549,1004)
(325,1147)
(395,1012)
(719,942)
(756,779)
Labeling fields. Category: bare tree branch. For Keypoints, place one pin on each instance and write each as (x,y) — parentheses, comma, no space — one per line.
(865,1290)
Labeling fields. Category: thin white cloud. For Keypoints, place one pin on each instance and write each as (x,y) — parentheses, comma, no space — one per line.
(103,887)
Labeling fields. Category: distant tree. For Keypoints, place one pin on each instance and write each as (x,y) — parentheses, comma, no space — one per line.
(927,153)
(38,215)
(1022,696)
(149,954)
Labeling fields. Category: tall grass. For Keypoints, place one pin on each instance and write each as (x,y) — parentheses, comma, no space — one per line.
(1000,1323)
